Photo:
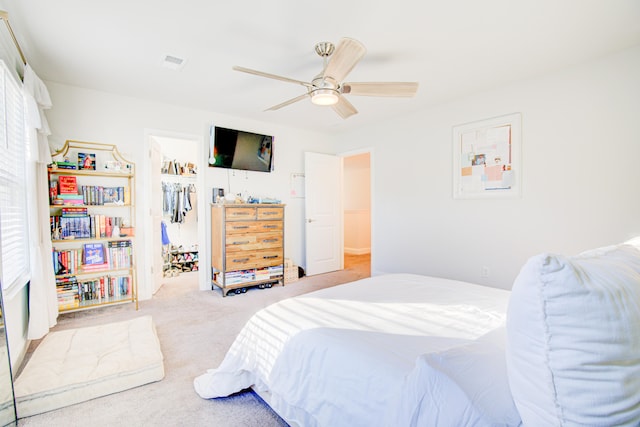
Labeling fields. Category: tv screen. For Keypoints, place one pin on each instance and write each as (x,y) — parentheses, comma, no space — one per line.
(236,149)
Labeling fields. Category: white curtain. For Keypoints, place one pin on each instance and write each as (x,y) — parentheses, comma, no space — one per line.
(43,305)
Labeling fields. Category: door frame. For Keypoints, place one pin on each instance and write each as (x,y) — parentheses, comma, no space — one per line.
(371,152)
(146,292)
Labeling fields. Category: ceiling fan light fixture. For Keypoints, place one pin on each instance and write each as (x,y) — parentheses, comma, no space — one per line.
(324,97)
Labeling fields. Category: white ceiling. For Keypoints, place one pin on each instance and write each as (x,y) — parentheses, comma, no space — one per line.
(451,47)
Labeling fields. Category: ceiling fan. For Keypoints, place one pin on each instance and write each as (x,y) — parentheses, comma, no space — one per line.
(327,87)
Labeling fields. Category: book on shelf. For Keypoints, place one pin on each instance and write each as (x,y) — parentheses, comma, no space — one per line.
(66,164)
(53,191)
(66,261)
(119,254)
(74,224)
(68,184)
(93,254)
(99,195)
(65,227)
(71,212)
(69,199)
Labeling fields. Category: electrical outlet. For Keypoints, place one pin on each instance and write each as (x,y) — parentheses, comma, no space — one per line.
(484,272)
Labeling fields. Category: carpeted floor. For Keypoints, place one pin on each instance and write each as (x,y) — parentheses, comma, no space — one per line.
(195,329)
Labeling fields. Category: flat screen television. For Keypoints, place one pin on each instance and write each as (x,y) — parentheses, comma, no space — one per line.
(237,149)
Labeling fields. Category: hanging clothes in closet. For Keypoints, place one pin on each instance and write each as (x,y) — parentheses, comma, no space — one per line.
(176,200)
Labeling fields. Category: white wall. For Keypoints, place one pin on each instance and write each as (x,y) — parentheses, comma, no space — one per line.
(581,178)
(88,115)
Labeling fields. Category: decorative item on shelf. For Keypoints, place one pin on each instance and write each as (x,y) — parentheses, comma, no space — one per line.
(173,167)
(112,165)
(87,161)
(126,231)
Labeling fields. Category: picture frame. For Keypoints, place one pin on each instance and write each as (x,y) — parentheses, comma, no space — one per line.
(87,161)
(113,195)
(487,158)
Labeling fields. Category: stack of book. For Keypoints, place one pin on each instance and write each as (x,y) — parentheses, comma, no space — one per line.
(67,292)
(66,164)
(68,191)
(240,276)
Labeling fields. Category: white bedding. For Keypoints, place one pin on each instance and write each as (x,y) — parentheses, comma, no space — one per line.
(373,352)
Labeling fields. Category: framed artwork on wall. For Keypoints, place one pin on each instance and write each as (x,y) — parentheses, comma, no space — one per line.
(487,158)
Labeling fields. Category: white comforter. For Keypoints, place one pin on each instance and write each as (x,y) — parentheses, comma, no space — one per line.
(362,354)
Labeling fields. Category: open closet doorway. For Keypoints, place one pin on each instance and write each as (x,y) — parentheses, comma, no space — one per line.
(176,206)
(357,212)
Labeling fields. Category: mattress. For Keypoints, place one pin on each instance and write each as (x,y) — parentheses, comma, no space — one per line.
(76,365)
(363,353)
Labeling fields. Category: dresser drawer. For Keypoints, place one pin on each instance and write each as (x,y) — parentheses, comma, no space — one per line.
(239,214)
(268,257)
(242,227)
(249,242)
(270,213)
(241,242)
(240,260)
(267,226)
(244,260)
(269,240)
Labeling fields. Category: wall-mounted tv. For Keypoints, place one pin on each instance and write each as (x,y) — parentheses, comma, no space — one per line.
(236,149)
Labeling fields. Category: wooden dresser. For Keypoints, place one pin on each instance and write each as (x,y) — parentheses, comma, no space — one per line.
(247,246)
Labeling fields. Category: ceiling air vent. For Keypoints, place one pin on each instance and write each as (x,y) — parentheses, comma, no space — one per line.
(172,62)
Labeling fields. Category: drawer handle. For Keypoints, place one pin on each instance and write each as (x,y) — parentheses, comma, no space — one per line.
(270,213)
(241,260)
(270,256)
(269,240)
(240,227)
(241,243)
(269,226)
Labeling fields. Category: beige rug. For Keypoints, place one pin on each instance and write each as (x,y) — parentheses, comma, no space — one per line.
(76,365)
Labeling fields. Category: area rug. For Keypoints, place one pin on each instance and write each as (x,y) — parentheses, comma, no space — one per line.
(76,365)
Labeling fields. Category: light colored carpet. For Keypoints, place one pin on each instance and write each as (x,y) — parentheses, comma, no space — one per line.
(195,328)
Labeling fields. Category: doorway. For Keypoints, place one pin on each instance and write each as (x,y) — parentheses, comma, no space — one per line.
(177,209)
(357,212)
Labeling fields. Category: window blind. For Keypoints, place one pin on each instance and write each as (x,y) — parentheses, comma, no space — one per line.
(14,238)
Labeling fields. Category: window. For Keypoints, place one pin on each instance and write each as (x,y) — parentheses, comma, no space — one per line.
(14,238)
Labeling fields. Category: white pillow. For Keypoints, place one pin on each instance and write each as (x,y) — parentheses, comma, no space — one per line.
(479,370)
(573,339)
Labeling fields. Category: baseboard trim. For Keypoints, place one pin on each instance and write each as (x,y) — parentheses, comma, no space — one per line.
(357,251)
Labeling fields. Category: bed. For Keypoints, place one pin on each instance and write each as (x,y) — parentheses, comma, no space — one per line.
(560,349)
(395,350)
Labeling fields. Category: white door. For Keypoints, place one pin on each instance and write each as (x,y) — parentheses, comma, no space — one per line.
(157,260)
(323,213)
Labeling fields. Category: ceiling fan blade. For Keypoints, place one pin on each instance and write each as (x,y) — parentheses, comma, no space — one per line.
(285,103)
(271,76)
(344,108)
(401,89)
(345,57)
